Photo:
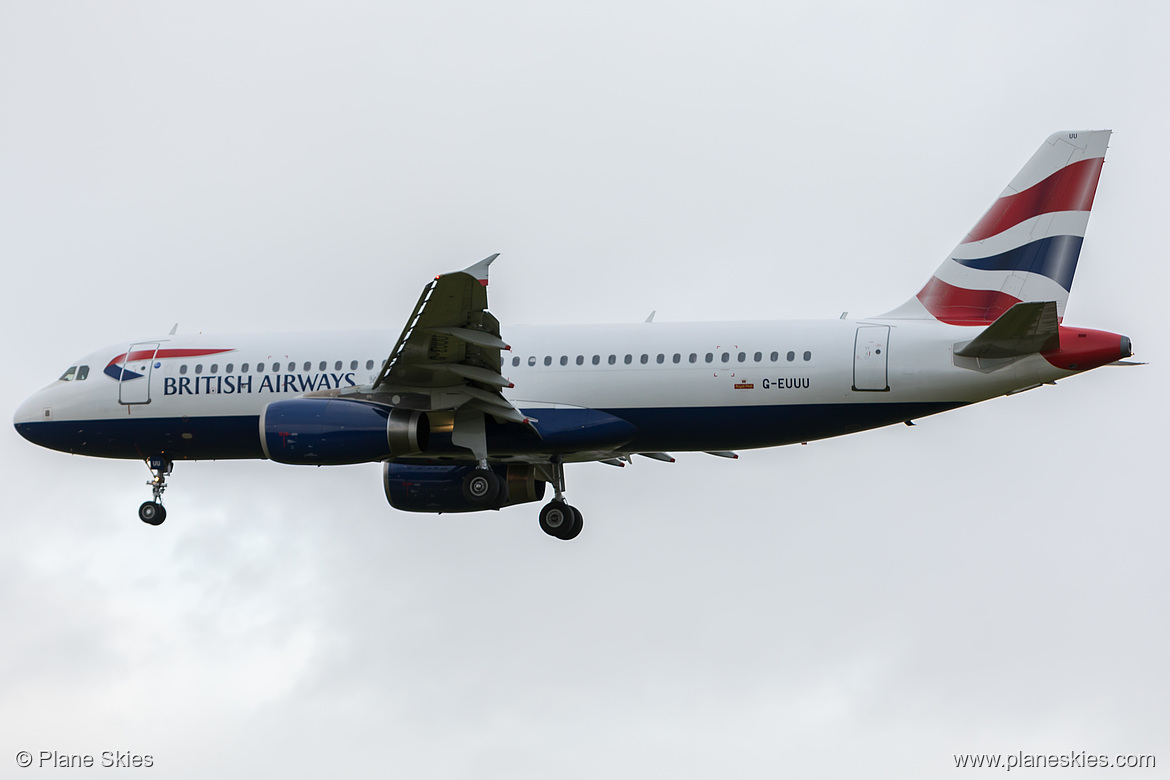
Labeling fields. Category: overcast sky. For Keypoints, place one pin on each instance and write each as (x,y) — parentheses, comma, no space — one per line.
(992,580)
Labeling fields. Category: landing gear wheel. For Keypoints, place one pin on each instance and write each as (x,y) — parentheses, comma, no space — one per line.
(481,487)
(578,522)
(152,513)
(560,520)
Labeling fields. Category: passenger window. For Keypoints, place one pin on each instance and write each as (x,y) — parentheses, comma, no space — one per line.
(353,365)
(775,356)
(244,369)
(564,360)
(725,357)
(275,368)
(515,361)
(369,365)
(741,357)
(693,358)
(548,360)
(336,366)
(629,359)
(645,359)
(807,356)
(661,358)
(321,366)
(677,357)
(791,356)
(758,356)
(214,367)
(82,372)
(309,366)
(709,357)
(228,368)
(597,360)
(198,368)
(580,360)
(612,359)
(259,367)
(532,360)
(68,375)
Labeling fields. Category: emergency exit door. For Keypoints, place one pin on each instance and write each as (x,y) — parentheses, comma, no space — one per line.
(870,358)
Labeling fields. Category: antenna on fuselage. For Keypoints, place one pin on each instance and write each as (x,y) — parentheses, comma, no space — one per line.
(174,328)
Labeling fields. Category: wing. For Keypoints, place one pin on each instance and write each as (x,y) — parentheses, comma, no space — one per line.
(448,356)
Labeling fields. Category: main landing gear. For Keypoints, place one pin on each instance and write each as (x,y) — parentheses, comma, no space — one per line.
(153,512)
(482,486)
(557,518)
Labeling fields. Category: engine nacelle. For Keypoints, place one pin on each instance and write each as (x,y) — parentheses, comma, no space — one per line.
(335,432)
(440,488)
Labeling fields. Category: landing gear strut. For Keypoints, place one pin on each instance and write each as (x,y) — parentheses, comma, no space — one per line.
(153,512)
(557,518)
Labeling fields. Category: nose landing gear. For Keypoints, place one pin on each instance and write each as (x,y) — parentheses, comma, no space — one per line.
(153,512)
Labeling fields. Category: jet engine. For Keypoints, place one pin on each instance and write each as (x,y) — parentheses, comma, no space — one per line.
(440,488)
(334,432)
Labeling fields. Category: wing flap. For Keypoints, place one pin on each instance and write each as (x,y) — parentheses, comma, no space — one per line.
(480,338)
(474,373)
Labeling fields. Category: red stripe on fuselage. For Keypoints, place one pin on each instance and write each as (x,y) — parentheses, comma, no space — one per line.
(147,354)
(1070,189)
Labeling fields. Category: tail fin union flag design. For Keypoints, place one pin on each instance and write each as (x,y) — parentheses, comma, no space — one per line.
(1026,247)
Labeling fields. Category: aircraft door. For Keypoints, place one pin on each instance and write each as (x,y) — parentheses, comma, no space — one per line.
(870,361)
(134,377)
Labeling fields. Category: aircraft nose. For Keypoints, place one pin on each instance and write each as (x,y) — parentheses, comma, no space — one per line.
(28,414)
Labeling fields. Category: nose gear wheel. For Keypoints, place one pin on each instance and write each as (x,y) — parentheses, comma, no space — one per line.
(153,512)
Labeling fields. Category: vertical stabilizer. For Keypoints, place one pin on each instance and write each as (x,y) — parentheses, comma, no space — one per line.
(1025,248)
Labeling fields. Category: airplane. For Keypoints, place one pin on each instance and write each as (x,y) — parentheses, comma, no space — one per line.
(463,420)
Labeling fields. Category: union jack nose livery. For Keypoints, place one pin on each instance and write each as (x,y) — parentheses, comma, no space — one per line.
(462,420)
(137,363)
(1025,248)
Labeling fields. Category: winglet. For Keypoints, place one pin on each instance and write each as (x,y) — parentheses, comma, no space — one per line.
(480,269)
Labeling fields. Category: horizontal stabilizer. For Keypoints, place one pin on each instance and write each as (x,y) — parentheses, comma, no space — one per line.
(1024,329)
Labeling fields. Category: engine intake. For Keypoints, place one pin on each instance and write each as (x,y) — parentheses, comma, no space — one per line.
(335,432)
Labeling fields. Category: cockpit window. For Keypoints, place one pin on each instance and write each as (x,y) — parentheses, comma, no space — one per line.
(82,372)
(68,375)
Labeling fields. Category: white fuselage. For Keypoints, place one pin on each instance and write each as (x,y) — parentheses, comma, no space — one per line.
(685,386)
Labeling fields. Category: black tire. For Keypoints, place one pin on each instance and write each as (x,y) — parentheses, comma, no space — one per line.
(481,487)
(152,513)
(560,520)
(578,522)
